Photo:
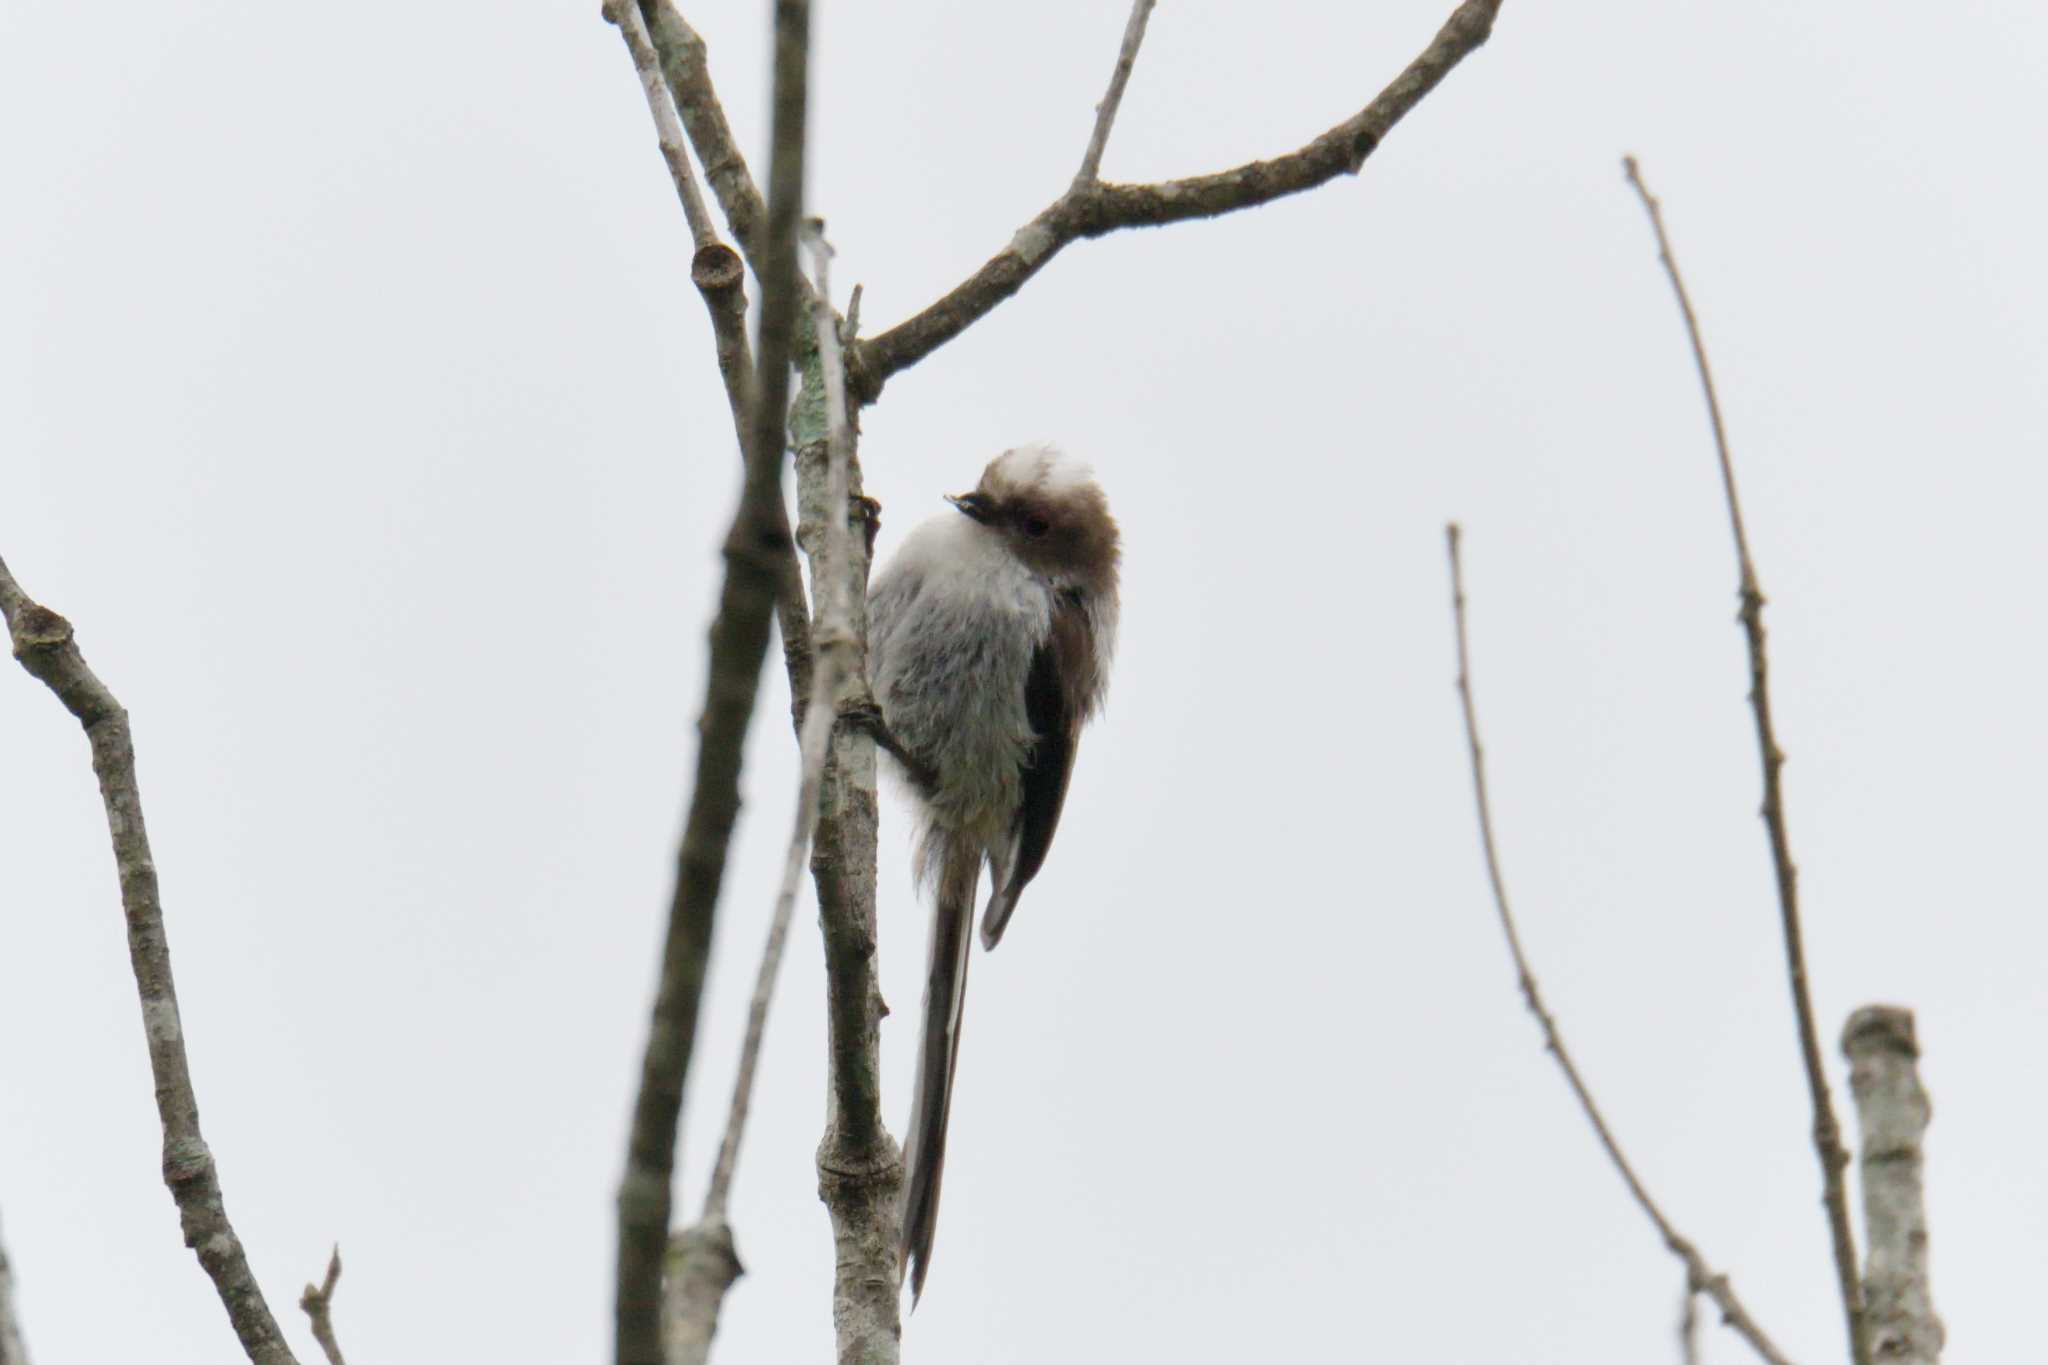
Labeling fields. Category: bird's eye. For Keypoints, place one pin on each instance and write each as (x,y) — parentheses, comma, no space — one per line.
(1036,527)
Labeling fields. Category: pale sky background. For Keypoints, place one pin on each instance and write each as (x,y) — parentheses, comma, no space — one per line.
(355,405)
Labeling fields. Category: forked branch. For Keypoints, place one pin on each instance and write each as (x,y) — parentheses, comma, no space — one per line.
(318,1305)
(1091,208)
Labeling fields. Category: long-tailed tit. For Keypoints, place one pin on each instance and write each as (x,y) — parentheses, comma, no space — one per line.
(989,638)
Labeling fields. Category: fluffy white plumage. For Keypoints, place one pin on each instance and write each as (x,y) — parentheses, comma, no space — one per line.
(989,639)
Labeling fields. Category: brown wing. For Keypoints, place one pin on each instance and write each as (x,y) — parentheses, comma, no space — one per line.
(1050,765)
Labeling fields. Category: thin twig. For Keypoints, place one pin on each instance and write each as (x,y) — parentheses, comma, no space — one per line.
(686,68)
(685,65)
(13,1350)
(837,657)
(754,553)
(1105,112)
(1714,1286)
(1892,1110)
(721,282)
(626,14)
(318,1301)
(43,643)
(1827,1133)
(1689,1322)
(1091,208)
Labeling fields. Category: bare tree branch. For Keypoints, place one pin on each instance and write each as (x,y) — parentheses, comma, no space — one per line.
(859,1169)
(703,1265)
(633,26)
(13,1350)
(1892,1110)
(44,645)
(838,649)
(1714,1286)
(721,282)
(1105,112)
(318,1303)
(754,553)
(703,1262)
(685,66)
(1090,208)
(1827,1133)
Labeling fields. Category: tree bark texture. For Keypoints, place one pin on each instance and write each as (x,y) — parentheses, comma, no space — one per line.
(1892,1111)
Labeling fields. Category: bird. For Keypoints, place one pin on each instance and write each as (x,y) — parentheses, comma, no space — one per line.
(990,636)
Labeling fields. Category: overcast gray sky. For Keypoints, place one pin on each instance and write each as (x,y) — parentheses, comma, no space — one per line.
(355,405)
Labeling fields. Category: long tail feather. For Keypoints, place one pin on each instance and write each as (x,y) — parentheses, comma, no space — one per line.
(938,1056)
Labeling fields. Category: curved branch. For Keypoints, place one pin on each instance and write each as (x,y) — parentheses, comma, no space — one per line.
(1699,1275)
(43,643)
(1092,209)
(1827,1132)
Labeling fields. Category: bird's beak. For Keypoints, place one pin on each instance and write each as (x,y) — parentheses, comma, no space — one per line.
(975,505)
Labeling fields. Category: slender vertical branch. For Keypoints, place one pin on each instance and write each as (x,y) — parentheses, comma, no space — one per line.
(703,1260)
(720,278)
(859,1169)
(668,130)
(1892,1110)
(1827,1132)
(1712,1285)
(1105,112)
(13,1350)
(837,660)
(754,550)
(318,1303)
(43,643)
(685,65)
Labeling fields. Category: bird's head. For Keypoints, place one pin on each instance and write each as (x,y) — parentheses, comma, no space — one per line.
(1050,513)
